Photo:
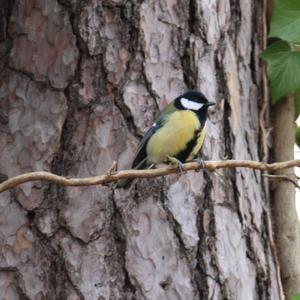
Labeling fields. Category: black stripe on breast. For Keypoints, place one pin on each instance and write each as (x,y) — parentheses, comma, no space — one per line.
(184,154)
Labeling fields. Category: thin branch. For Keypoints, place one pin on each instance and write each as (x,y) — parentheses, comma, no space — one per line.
(283,177)
(111,176)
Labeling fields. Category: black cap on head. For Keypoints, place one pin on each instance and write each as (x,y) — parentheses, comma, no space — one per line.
(196,96)
(192,100)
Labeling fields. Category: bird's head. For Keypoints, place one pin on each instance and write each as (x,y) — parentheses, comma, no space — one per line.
(193,100)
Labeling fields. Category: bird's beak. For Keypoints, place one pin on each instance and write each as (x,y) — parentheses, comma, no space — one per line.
(210,103)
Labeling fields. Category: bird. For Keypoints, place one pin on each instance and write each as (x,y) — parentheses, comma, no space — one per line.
(176,136)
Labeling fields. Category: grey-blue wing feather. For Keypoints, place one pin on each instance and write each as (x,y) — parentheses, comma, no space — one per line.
(141,153)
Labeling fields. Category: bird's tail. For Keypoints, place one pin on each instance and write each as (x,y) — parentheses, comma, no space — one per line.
(126,183)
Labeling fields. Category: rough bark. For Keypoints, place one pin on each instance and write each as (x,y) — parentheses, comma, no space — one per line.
(80,82)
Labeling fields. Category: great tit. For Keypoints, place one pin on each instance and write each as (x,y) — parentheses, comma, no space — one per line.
(177,134)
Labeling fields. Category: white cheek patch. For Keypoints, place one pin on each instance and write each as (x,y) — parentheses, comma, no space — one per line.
(189,104)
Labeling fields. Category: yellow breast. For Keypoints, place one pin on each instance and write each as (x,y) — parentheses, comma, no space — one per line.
(174,136)
(198,145)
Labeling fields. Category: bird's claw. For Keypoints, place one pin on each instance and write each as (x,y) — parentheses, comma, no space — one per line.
(177,162)
(200,161)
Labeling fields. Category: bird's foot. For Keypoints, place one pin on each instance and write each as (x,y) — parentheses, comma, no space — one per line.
(174,161)
(200,161)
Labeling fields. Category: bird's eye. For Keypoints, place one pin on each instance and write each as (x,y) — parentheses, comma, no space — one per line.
(189,104)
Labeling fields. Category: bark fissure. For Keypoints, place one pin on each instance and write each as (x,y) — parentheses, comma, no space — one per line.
(202,274)
(235,24)
(188,254)
(188,66)
(231,174)
(148,84)
(192,16)
(207,246)
(19,284)
(58,275)
(5,38)
(120,239)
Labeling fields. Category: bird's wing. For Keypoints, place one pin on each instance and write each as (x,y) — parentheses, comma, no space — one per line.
(141,151)
(140,157)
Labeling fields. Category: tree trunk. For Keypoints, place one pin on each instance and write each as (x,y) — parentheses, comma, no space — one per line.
(286,227)
(80,82)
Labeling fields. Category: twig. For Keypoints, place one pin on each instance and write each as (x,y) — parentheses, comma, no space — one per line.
(106,178)
(112,169)
(283,177)
(265,132)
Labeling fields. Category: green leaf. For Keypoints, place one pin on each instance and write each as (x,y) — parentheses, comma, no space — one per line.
(297,103)
(283,69)
(297,140)
(296,296)
(285,22)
